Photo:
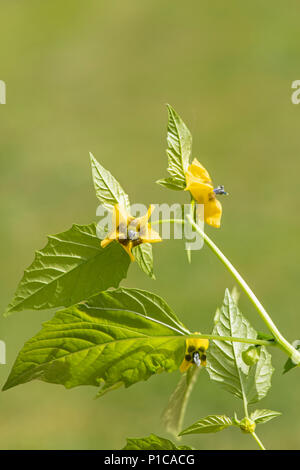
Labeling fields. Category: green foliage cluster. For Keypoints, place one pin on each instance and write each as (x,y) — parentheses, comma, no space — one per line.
(109,336)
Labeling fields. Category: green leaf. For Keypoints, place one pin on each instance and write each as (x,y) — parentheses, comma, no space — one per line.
(153,442)
(289,363)
(144,258)
(108,190)
(211,423)
(179,141)
(115,338)
(225,362)
(217,316)
(262,416)
(179,150)
(70,268)
(172,183)
(235,294)
(173,415)
(259,378)
(265,336)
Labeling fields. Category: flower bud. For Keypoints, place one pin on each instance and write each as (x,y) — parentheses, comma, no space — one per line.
(247,425)
(251,355)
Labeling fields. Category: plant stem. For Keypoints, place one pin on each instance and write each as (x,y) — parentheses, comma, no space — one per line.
(260,342)
(192,210)
(261,446)
(282,342)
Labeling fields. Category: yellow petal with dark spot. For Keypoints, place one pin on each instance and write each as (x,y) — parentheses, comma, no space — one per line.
(193,345)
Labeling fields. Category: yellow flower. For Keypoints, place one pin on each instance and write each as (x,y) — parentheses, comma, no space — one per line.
(199,183)
(195,353)
(130,231)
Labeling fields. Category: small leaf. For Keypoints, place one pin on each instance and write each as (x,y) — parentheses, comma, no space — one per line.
(235,294)
(265,336)
(108,190)
(179,141)
(115,338)
(179,150)
(70,268)
(211,423)
(262,416)
(225,359)
(172,183)
(217,316)
(173,415)
(153,442)
(144,258)
(289,363)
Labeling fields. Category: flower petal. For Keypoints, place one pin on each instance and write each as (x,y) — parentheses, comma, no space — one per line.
(121,216)
(198,171)
(140,222)
(200,191)
(110,238)
(150,210)
(198,182)
(197,343)
(213,212)
(150,235)
(185,365)
(128,247)
(194,345)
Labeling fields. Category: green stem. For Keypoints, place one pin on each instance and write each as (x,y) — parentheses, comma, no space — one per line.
(282,342)
(261,446)
(259,342)
(192,210)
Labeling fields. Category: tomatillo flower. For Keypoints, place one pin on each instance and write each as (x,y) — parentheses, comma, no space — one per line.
(129,231)
(195,353)
(199,183)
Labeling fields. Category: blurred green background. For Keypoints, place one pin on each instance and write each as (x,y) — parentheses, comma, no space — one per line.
(95,76)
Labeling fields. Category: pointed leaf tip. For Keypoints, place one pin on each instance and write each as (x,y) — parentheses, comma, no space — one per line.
(52,279)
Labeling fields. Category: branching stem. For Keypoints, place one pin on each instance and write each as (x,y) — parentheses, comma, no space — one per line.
(280,340)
